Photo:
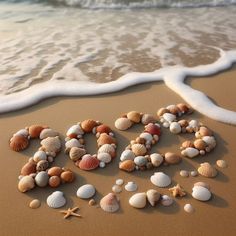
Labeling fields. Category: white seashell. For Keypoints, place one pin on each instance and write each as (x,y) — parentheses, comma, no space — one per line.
(22,132)
(200,193)
(131,187)
(127,155)
(109,203)
(153,196)
(116,188)
(193,123)
(166,124)
(210,141)
(169,117)
(119,182)
(156,159)
(56,200)
(190,152)
(146,136)
(160,179)
(104,157)
(194,173)
(102,164)
(123,123)
(138,200)
(140,160)
(41,179)
(73,143)
(74,129)
(108,148)
(86,191)
(166,200)
(45,133)
(188,208)
(39,156)
(184,173)
(175,128)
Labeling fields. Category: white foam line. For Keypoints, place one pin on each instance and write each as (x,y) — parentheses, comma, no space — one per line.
(172,76)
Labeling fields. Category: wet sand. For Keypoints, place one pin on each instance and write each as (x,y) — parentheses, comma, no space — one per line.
(215,217)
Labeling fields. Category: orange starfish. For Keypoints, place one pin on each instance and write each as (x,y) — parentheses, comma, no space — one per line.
(177,191)
(70,212)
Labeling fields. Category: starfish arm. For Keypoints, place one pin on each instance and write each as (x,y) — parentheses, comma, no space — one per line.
(74,209)
(64,212)
(67,215)
(75,214)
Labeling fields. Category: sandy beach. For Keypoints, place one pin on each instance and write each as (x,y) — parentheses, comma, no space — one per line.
(215,217)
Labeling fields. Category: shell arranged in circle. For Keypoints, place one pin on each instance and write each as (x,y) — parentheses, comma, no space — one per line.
(138,200)
(88,162)
(103,129)
(51,144)
(41,179)
(110,203)
(88,125)
(127,155)
(138,149)
(45,133)
(56,200)
(123,123)
(104,157)
(35,130)
(105,139)
(19,143)
(156,159)
(190,152)
(76,153)
(127,165)
(108,148)
(28,168)
(207,170)
(74,131)
(134,116)
(148,118)
(160,179)
(153,129)
(39,156)
(86,191)
(175,128)
(55,171)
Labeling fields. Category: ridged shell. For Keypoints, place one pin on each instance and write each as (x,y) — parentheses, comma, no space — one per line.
(22,132)
(183,108)
(175,128)
(34,204)
(26,183)
(162,111)
(105,157)
(39,156)
(123,123)
(35,130)
(156,159)
(134,116)
(127,155)
(103,129)
(45,133)
(166,200)
(42,165)
(109,203)
(108,148)
(153,196)
(138,200)
(199,144)
(56,200)
(148,137)
(190,152)
(138,149)
(76,153)
(131,186)
(86,191)
(207,170)
(140,160)
(72,143)
(19,143)
(200,193)
(67,176)
(153,129)
(169,117)
(187,144)
(51,144)
(41,179)
(56,170)
(88,125)
(172,158)
(105,139)
(160,179)
(148,118)
(74,131)
(54,181)
(88,162)
(28,168)
(127,165)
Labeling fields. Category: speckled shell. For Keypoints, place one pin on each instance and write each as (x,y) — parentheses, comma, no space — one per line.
(105,157)
(187,144)
(74,131)
(138,149)
(88,162)
(76,153)
(39,156)
(108,148)
(162,111)
(28,168)
(19,143)
(153,196)
(56,199)
(134,116)
(86,191)
(123,123)
(138,200)
(207,170)
(172,158)
(35,130)
(88,125)
(45,133)
(140,160)
(22,132)
(67,176)
(148,118)
(51,144)
(105,139)
(26,183)
(55,171)
(41,179)
(127,165)
(156,159)
(200,193)
(127,155)
(54,181)
(160,179)
(175,128)
(42,165)
(103,129)
(109,203)
(199,144)
(190,152)
(153,129)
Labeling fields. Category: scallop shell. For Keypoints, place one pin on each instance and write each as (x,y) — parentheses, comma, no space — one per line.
(188,208)
(166,200)
(54,181)
(108,148)
(169,117)
(123,123)
(22,132)
(56,200)
(28,168)
(42,165)
(138,149)
(34,204)
(199,144)
(127,155)
(55,171)
(183,108)
(76,153)
(160,179)
(105,139)
(203,184)
(190,152)
(86,191)
(187,144)
(35,130)
(200,193)
(45,133)
(153,196)
(156,159)
(148,118)
(134,116)
(88,125)
(131,187)
(207,170)
(19,143)
(41,179)
(103,156)
(39,156)
(67,176)
(103,129)
(127,165)
(88,162)
(74,131)
(172,158)
(153,129)
(162,111)
(138,200)
(51,144)
(146,136)
(109,203)
(72,143)
(140,160)
(175,128)
(26,183)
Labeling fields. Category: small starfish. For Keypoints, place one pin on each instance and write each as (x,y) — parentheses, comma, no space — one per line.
(70,212)
(177,191)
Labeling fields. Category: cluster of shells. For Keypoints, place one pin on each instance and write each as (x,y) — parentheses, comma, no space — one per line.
(36,171)
(75,144)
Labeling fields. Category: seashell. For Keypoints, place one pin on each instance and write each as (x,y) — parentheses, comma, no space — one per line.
(204,131)
(199,144)
(221,163)
(139,149)
(169,117)
(140,160)
(203,184)
(54,181)
(108,148)
(51,144)
(119,182)
(153,196)
(88,162)
(138,200)
(19,143)
(56,200)
(41,179)
(148,137)
(148,118)
(210,141)
(184,173)
(183,123)
(127,165)
(153,129)
(207,170)
(102,164)
(116,188)
(162,111)
(187,144)
(67,176)
(200,193)
(22,132)
(55,171)
(35,130)
(76,153)
(188,208)
(104,157)
(74,131)
(86,191)
(173,109)
(194,173)
(166,200)
(26,183)
(28,168)
(160,179)
(88,125)
(172,158)
(131,187)
(105,139)
(42,165)
(109,203)
(194,123)
(34,204)
(134,116)
(156,159)
(72,143)
(103,129)
(92,202)
(39,156)
(175,128)
(183,108)
(45,133)
(190,152)
(123,123)
(127,155)
(143,140)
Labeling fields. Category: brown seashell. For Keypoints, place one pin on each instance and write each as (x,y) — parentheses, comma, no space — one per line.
(153,196)
(148,118)
(55,171)
(183,107)
(172,158)
(42,165)
(88,162)
(162,111)
(183,123)
(207,170)
(76,153)
(187,144)
(138,149)
(127,165)
(199,144)
(173,109)
(26,183)
(34,204)
(221,163)
(123,123)
(28,168)
(18,143)
(88,125)
(67,176)
(140,140)
(103,129)
(54,181)
(204,131)
(35,130)
(105,139)
(51,144)
(153,129)
(134,116)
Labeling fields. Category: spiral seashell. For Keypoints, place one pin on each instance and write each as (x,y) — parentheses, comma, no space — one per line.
(42,165)
(56,200)
(134,116)
(88,125)
(54,181)
(45,133)
(51,144)
(109,203)
(123,123)
(74,131)
(28,168)
(103,129)
(41,179)
(105,139)
(25,184)
(55,171)
(35,130)
(127,155)
(138,149)
(153,196)
(127,165)
(172,158)
(207,170)
(19,143)
(156,159)
(148,118)
(88,162)
(39,155)
(162,111)
(107,148)
(76,153)
(67,176)
(138,200)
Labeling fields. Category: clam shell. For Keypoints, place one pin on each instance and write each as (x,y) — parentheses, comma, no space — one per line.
(148,118)
(19,143)
(45,133)
(166,200)
(183,108)
(200,193)
(153,129)
(190,152)
(103,129)
(108,148)
(194,123)
(160,179)
(131,187)
(221,163)
(105,157)
(138,200)
(172,158)
(123,123)
(88,162)
(42,165)
(153,196)
(138,149)
(54,181)
(67,176)
(162,111)
(34,204)
(22,132)
(148,137)
(169,117)
(199,144)
(72,143)
(35,130)
(188,208)
(86,191)
(187,144)
(88,125)
(127,155)
(156,159)
(175,128)
(127,165)
(39,156)
(41,179)
(26,183)
(173,109)
(203,184)
(140,160)
(74,131)
(204,131)
(76,153)
(109,203)
(51,144)
(184,173)
(105,139)
(119,182)
(210,141)
(207,170)
(134,116)
(116,188)
(56,200)
(28,168)
(55,171)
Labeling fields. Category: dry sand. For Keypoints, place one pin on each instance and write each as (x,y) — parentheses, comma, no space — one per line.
(216,217)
